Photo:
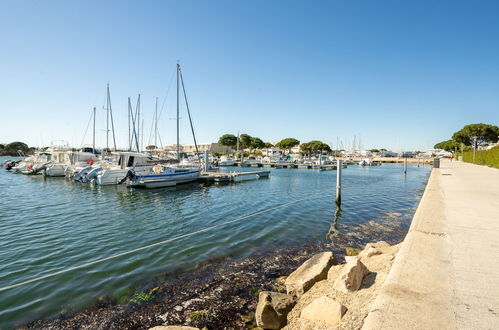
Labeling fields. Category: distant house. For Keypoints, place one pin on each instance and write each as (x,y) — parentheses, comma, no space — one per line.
(387,153)
(202,147)
(438,153)
(406,154)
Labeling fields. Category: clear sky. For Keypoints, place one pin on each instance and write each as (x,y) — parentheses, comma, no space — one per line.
(398,74)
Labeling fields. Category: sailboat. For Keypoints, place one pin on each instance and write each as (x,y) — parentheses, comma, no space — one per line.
(165,176)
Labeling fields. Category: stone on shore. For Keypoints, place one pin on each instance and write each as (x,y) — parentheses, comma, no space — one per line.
(351,276)
(324,309)
(311,271)
(173,327)
(334,272)
(272,309)
(372,249)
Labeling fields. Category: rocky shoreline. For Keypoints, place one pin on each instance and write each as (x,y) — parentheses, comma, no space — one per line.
(221,294)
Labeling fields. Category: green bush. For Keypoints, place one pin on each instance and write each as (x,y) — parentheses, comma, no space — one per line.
(484,157)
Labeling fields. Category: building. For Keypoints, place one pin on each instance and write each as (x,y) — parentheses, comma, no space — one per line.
(202,147)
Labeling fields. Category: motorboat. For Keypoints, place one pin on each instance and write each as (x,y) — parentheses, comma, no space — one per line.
(162,176)
(139,162)
(368,162)
(226,160)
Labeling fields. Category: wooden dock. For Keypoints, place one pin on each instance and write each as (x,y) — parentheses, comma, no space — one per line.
(219,177)
(323,167)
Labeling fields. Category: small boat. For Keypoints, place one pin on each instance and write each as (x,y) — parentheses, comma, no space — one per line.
(162,176)
(368,162)
(226,161)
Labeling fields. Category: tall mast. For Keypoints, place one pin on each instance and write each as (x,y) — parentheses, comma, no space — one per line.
(111,114)
(178,113)
(93,139)
(189,114)
(129,119)
(107,119)
(129,134)
(138,125)
(156,124)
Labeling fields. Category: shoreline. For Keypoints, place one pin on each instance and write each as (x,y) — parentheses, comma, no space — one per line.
(220,293)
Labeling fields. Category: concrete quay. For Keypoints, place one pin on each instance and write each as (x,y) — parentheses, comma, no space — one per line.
(446,274)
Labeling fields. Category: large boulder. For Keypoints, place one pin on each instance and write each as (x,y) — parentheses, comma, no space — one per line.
(324,309)
(311,271)
(351,276)
(272,309)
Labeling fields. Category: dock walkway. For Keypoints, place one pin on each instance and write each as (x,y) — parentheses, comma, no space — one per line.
(446,274)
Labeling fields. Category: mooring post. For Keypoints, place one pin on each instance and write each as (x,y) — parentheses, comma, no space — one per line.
(405,165)
(206,161)
(339,167)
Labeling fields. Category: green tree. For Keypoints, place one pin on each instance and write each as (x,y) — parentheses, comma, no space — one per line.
(485,134)
(245,141)
(374,150)
(313,147)
(228,140)
(268,145)
(287,144)
(151,147)
(448,145)
(257,143)
(13,147)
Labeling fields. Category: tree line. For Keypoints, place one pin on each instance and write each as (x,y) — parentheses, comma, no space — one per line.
(11,149)
(465,137)
(248,142)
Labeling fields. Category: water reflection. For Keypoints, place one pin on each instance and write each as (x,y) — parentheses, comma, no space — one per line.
(333,229)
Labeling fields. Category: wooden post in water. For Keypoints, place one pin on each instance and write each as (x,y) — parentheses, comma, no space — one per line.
(405,165)
(339,167)
(206,161)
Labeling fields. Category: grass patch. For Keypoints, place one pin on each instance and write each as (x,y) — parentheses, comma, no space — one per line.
(484,157)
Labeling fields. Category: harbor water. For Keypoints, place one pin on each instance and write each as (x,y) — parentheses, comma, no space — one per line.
(52,224)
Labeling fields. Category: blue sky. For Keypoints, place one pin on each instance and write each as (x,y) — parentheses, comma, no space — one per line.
(400,75)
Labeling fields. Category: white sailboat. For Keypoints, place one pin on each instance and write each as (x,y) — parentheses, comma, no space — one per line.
(164,176)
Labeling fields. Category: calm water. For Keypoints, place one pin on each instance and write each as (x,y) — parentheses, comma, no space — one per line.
(52,224)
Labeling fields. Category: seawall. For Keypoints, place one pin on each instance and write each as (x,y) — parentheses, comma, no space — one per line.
(445,275)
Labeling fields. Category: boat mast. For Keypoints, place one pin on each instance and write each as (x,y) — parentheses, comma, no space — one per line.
(178,113)
(136,124)
(111,114)
(156,124)
(107,119)
(189,114)
(129,123)
(93,139)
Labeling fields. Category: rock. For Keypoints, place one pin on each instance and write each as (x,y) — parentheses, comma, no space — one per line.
(173,327)
(272,309)
(281,280)
(334,272)
(350,251)
(372,249)
(311,271)
(351,276)
(324,309)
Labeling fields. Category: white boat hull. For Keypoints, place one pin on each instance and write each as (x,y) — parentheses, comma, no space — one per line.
(165,180)
(55,170)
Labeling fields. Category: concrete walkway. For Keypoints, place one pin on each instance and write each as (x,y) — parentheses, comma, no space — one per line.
(446,274)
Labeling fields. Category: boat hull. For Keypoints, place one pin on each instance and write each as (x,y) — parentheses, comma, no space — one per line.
(165,180)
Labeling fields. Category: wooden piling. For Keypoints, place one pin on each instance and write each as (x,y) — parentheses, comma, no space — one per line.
(339,168)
